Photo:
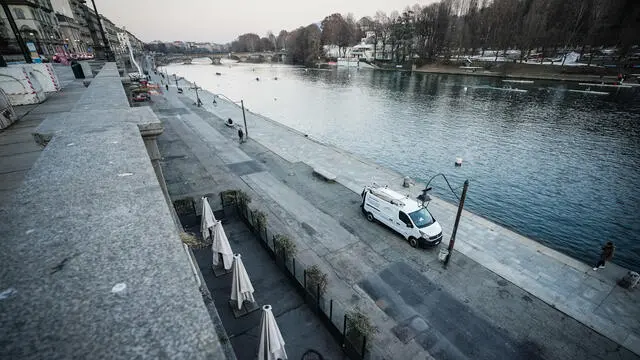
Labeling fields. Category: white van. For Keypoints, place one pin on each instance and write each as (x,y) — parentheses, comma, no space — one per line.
(402,214)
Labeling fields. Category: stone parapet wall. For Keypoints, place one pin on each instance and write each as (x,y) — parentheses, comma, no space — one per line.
(92,263)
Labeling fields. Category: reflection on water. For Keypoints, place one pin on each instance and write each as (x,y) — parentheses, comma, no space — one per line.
(558,166)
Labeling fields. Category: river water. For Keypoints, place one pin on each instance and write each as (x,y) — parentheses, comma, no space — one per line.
(557,166)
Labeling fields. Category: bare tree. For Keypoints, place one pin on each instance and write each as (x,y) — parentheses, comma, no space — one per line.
(577,16)
(281,40)
(273,40)
(383,27)
(447,26)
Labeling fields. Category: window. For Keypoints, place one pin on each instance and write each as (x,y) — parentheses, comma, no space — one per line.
(404,218)
(422,218)
(19,13)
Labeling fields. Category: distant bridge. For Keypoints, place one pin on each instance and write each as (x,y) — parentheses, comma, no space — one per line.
(164,59)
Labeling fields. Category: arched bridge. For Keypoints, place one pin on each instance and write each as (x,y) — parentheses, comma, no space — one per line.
(164,59)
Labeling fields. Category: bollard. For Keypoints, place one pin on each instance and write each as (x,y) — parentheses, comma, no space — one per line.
(364,345)
(284,259)
(344,329)
(330,310)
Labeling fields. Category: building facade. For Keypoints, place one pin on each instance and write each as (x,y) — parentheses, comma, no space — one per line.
(36,22)
(136,44)
(71,34)
(111,33)
(69,27)
(74,35)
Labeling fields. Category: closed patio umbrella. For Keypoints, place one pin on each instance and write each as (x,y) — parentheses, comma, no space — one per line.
(221,246)
(208,220)
(241,288)
(271,342)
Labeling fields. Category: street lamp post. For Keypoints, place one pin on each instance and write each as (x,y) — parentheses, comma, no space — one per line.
(196,88)
(107,48)
(424,198)
(175,77)
(455,225)
(244,116)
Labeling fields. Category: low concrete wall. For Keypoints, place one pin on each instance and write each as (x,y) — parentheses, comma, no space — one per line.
(45,75)
(93,266)
(7,113)
(21,85)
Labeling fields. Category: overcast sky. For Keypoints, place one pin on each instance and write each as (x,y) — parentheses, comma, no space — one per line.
(221,21)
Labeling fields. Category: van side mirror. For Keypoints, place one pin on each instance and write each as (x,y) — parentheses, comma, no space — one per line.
(409,225)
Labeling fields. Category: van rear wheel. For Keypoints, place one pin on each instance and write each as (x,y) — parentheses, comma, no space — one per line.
(413,241)
(370,217)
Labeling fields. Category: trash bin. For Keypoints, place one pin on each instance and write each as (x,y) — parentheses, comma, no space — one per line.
(442,255)
(77,70)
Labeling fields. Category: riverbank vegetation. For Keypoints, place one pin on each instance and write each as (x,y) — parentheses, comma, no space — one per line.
(599,30)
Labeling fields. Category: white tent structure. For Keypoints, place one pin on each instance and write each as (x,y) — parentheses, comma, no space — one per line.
(208,220)
(241,288)
(221,246)
(271,342)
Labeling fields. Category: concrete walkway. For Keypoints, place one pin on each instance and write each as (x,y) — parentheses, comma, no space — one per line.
(192,170)
(593,298)
(18,150)
(487,254)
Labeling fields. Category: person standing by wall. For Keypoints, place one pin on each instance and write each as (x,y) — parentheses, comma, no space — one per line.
(241,134)
(606,255)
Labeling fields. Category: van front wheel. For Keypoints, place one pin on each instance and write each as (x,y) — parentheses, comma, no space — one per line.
(370,217)
(413,241)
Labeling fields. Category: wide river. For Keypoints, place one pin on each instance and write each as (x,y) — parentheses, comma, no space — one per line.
(558,166)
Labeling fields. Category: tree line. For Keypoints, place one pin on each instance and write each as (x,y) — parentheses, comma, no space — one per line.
(465,27)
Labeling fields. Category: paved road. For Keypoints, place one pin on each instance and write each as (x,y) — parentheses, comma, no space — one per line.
(467,311)
(188,177)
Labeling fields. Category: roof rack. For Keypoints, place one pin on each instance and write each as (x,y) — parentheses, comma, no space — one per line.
(386,197)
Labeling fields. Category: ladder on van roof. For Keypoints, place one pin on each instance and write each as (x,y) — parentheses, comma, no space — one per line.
(386,197)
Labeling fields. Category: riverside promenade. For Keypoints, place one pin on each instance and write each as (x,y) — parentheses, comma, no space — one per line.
(502,296)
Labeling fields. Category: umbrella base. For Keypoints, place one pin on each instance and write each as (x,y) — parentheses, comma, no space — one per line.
(221,271)
(247,308)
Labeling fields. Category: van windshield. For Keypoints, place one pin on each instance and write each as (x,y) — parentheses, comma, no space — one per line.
(421,218)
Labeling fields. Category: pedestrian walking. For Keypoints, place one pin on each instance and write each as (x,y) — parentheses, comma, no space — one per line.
(241,135)
(166,86)
(606,255)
